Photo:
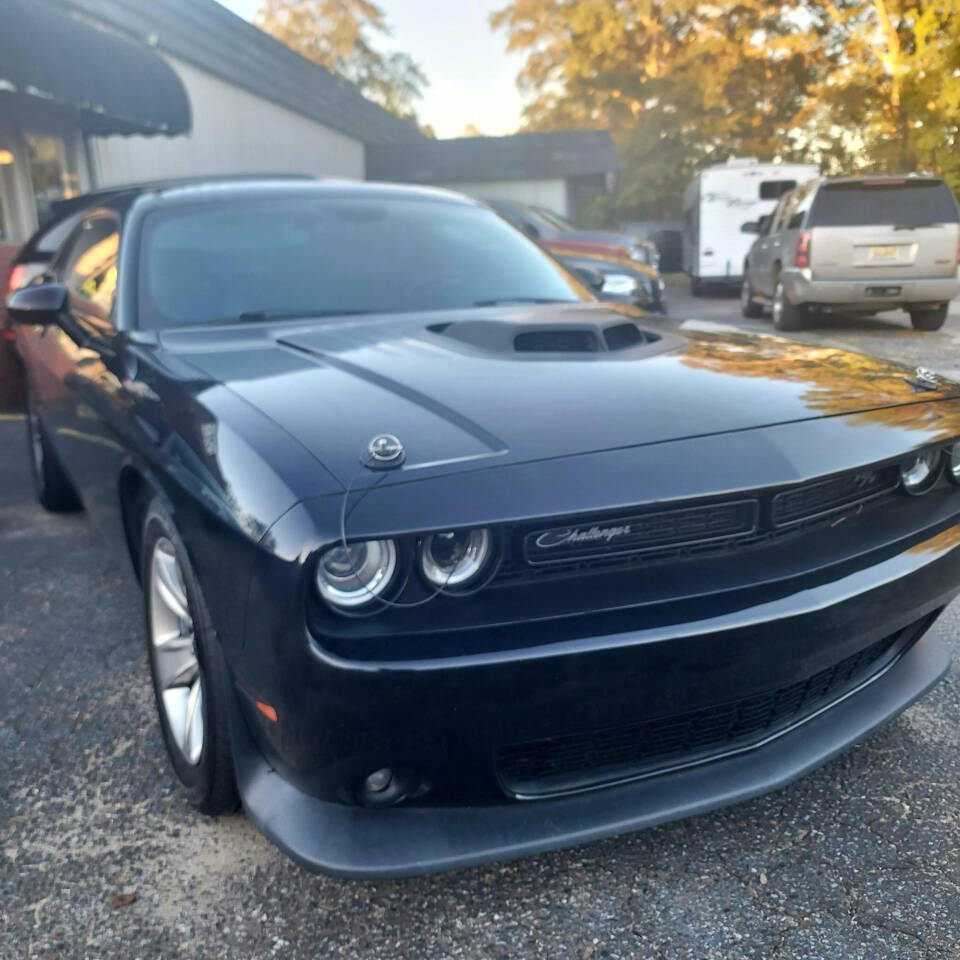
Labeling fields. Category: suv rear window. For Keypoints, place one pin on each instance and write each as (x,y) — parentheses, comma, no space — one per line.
(865,203)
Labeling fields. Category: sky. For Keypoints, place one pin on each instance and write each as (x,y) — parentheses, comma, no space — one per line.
(472,78)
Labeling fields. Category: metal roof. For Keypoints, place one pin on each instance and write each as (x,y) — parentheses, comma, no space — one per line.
(523,156)
(110,84)
(210,37)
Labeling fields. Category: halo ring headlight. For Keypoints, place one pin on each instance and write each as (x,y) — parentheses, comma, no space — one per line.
(920,471)
(953,462)
(455,558)
(355,575)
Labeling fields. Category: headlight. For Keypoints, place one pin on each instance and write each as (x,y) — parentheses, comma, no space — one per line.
(619,285)
(354,575)
(953,462)
(455,557)
(919,472)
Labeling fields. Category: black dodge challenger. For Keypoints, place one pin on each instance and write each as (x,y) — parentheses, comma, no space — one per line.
(444,561)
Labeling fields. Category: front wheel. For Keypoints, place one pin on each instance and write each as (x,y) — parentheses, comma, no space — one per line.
(748,302)
(189,674)
(786,316)
(929,319)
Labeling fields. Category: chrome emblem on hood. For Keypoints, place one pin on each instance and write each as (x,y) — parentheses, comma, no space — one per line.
(924,379)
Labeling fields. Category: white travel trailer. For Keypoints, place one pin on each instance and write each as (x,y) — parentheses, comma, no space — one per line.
(718,201)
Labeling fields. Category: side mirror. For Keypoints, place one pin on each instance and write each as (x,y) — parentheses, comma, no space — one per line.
(594,279)
(42,304)
(531,231)
(751,226)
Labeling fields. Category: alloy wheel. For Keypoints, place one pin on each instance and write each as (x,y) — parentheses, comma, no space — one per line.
(172,635)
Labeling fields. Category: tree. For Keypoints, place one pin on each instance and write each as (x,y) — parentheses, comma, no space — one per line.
(337,35)
(680,83)
(892,87)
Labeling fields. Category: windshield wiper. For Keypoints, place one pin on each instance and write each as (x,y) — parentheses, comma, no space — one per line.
(261,316)
(915,226)
(506,300)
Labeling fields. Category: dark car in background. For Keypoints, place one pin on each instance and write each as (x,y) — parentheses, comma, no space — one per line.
(560,236)
(443,560)
(856,245)
(620,280)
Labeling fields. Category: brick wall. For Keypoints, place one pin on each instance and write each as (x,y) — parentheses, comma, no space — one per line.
(11,376)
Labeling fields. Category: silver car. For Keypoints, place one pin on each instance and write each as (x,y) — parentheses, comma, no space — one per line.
(856,244)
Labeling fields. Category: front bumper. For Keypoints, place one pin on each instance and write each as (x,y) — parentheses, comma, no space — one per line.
(449,716)
(367,843)
(800,288)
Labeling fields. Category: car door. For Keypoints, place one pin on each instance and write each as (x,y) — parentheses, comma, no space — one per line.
(79,364)
(761,257)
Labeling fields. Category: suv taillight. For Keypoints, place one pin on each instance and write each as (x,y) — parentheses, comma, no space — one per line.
(802,256)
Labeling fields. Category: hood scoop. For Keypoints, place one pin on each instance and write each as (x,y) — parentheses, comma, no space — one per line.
(552,338)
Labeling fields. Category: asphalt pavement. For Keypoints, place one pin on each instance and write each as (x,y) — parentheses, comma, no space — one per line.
(101,858)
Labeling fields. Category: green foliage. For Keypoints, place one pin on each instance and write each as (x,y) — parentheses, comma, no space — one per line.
(337,35)
(680,83)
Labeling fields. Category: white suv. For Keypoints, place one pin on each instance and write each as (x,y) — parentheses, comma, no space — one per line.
(856,244)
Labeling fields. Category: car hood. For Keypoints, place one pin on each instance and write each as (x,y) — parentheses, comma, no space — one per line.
(460,404)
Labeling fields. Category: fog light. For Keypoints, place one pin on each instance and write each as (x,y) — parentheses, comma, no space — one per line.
(379,780)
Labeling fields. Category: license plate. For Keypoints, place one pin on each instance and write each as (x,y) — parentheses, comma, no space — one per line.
(884,253)
(883,291)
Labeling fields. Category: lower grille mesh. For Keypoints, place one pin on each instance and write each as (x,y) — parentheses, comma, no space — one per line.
(566,762)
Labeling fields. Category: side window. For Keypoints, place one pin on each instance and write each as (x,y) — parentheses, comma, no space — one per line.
(90,267)
(772,189)
(804,200)
(776,224)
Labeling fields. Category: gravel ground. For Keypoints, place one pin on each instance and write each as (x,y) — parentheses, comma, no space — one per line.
(101,858)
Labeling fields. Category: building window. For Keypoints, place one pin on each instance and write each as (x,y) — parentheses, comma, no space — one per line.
(51,176)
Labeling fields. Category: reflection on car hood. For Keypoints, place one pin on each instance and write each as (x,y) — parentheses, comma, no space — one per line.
(334,386)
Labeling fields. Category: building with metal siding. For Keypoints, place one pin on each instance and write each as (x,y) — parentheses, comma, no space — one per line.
(95,93)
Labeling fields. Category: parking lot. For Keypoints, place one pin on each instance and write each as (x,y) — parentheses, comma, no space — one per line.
(102,858)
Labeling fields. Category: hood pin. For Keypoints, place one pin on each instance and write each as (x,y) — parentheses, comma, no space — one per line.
(386,452)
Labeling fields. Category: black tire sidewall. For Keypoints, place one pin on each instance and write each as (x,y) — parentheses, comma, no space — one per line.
(929,320)
(52,487)
(790,315)
(202,781)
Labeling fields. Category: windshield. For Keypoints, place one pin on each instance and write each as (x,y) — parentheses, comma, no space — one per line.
(308,255)
(883,203)
(554,218)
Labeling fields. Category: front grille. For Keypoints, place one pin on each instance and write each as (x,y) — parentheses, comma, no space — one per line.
(817,499)
(633,534)
(596,543)
(590,758)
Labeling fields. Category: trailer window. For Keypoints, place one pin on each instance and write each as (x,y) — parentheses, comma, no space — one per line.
(775,189)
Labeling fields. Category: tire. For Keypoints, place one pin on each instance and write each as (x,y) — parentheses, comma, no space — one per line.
(748,304)
(52,486)
(696,287)
(206,772)
(929,319)
(786,316)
